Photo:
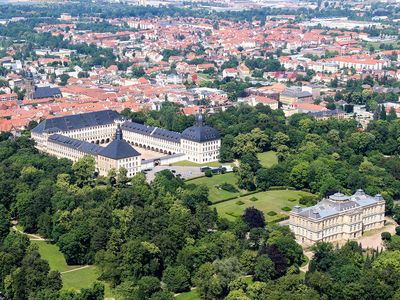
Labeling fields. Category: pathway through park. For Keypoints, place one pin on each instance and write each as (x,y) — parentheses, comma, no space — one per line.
(76,269)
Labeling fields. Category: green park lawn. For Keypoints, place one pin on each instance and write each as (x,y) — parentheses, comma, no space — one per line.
(192,295)
(215,193)
(266,202)
(72,279)
(267,159)
(54,257)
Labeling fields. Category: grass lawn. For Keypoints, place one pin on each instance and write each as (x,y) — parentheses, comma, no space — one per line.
(217,194)
(267,201)
(52,254)
(75,280)
(268,159)
(186,163)
(192,295)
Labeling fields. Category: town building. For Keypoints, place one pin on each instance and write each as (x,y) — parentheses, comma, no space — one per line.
(111,139)
(291,96)
(337,218)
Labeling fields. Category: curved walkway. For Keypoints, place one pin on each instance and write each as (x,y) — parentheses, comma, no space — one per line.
(32,237)
(76,269)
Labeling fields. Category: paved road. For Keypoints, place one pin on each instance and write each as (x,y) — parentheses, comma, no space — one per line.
(186,172)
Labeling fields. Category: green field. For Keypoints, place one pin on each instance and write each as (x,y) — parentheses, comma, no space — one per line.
(76,280)
(52,254)
(267,201)
(217,194)
(192,295)
(267,159)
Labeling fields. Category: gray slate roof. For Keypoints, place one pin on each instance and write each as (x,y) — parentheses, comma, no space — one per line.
(296,93)
(200,132)
(336,204)
(326,113)
(160,133)
(46,92)
(83,146)
(79,121)
(119,148)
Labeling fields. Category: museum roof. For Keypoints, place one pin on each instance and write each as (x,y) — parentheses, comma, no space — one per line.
(336,204)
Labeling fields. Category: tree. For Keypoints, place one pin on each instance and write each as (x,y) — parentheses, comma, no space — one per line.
(96,292)
(246,177)
(323,257)
(147,286)
(279,139)
(237,295)
(177,279)
(254,218)
(264,268)
(227,270)
(299,175)
(208,284)
(251,160)
(387,266)
(248,260)
(4,223)
(64,79)
(83,170)
(392,115)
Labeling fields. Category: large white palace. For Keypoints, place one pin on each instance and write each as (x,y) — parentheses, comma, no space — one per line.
(338,218)
(111,139)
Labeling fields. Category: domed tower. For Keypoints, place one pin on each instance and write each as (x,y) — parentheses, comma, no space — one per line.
(201,143)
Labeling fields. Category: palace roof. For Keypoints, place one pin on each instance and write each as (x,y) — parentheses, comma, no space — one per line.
(86,147)
(118,148)
(73,122)
(199,132)
(160,133)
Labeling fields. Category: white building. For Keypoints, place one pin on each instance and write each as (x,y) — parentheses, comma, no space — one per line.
(338,218)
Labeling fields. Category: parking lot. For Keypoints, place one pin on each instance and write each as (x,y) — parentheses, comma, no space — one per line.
(186,172)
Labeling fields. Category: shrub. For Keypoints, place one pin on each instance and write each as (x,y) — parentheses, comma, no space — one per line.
(271,213)
(386,236)
(239,202)
(229,187)
(253,199)
(397,230)
(308,200)
(279,218)
(208,173)
(232,214)
(278,188)
(286,208)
